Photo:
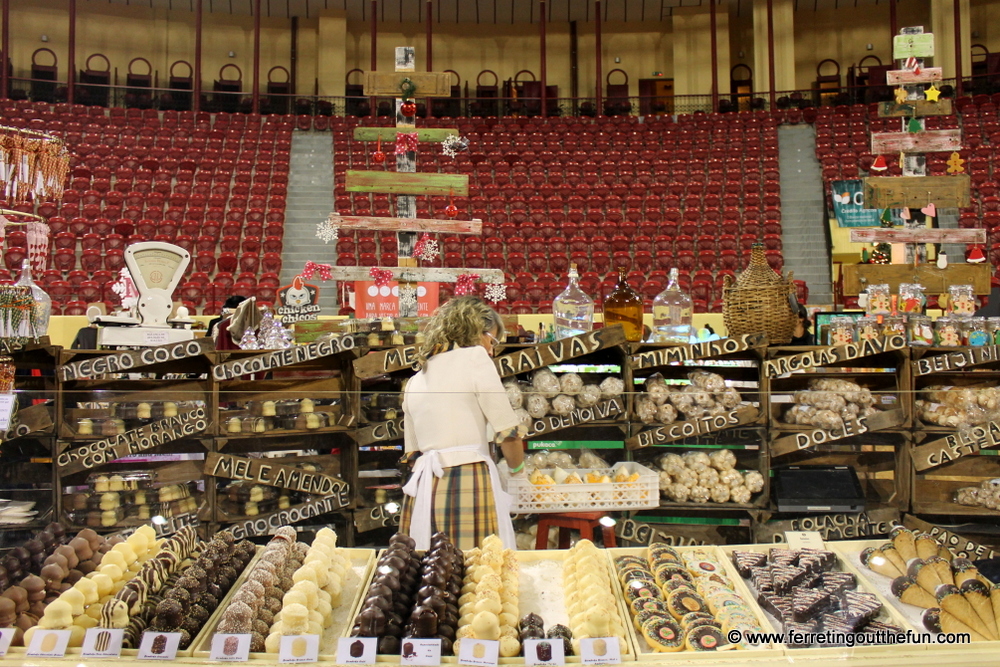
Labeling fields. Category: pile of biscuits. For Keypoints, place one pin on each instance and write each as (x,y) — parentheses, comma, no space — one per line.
(706,396)
(589,598)
(488,607)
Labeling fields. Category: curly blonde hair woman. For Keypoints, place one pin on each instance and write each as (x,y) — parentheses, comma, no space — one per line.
(448,405)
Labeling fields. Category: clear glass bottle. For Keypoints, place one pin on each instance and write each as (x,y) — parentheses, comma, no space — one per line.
(624,306)
(572,310)
(671,314)
(39,324)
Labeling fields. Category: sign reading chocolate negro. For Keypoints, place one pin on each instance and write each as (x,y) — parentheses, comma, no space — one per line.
(668,355)
(970,356)
(125,361)
(682,430)
(956,445)
(602,410)
(538,356)
(825,356)
(293,355)
(268,524)
(874,523)
(962,547)
(137,440)
(852,427)
(273,474)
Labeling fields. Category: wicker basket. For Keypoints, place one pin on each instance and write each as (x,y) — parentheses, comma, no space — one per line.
(760,301)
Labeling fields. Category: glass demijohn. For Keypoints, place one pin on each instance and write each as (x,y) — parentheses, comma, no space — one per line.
(672,314)
(624,306)
(572,310)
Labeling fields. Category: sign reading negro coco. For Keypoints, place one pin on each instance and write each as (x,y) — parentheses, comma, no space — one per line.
(135,441)
(293,355)
(962,547)
(956,445)
(261,471)
(970,356)
(714,348)
(268,524)
(831,526)
(603,410)
(681,430)
(559,351)
(807,439)
(123,362)
(831,355)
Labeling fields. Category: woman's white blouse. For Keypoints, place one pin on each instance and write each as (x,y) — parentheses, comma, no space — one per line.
(450,401)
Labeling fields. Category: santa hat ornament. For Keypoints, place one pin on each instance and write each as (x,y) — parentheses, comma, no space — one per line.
(879,164)
(975,255)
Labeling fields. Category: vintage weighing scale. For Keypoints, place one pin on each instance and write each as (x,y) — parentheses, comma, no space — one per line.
(156,268)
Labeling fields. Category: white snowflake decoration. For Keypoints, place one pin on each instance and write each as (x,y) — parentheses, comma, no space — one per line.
(126,290)
(407,298)
(495,292)
(428,250)
(454,144)
(329,229)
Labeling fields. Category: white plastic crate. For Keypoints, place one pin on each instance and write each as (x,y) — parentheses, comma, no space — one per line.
(643,493)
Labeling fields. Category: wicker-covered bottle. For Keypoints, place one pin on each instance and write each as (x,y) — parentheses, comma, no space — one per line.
(760,301)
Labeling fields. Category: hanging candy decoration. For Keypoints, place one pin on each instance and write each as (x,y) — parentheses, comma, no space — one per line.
(466,284)
(378,157)
(408,108)
(311,268)
(38,246)
(451,210)
(382,277)
(407,142)
(426,248)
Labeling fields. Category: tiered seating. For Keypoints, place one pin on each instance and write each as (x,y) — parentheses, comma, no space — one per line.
(604,194)
(981,136)
(213,184)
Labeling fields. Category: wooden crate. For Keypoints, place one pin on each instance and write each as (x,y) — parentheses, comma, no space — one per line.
(951,366)
(934,489)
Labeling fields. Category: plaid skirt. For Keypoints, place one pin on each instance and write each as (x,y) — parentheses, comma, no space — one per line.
(462,506)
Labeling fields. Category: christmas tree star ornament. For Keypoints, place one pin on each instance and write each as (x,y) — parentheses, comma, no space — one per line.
(329,229)
(933,93)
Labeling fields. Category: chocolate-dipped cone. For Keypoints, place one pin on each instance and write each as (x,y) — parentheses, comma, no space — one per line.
(932,619)
(926,576)
(874,560)
(926,546)
(889,552)
(903,539)
(945,552)
(995,599)
(943,569)
(963,571)
(978,596)
(907,590)
(951,600)
(950,623)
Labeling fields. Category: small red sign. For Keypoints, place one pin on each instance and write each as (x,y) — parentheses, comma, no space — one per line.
(370,300)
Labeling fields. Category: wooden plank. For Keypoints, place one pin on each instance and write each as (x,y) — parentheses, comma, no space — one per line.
(920,45)
(956,445)
(916,235)
(826,356)
(378,363)
(873,523)
(428,134)
(965,357)
(265,471)
(962,547)
(409,224)
(676,535)
(662,435)
(388,84)
(557,352)
(678,353)
(268,524)
(935,280)
(917,191)
(381,432)
(603,410)
(415,274)
(26,421)
(396,182)
(928,141)
(385,515)
(809,439)
(904,76)
(293,355)
(915,108)
(124,362)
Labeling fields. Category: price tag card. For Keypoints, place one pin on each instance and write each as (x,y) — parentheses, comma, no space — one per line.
(48,644)
(357,650)
(230,648)
(804,539)
(6,637)
(159,645)
(544,652)
(426,652)
(600,651)
(299,648)
(7,402)
(103,643)
(481,652)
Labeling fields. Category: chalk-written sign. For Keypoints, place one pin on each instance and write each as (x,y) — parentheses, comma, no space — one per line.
(962,547)
(262,471)
(530,358)
(713,348)
(385,515)
(661,435)
(603,410)
(852,427)
(873,523)
(173,524)
(381,432)
(956,445)
(386,361)
(135,441)
(124,362)
(675,535)
(826,356)
(268,524)
(293,355)
(957,360)
(27,421)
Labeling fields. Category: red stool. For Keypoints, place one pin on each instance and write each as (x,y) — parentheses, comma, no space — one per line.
(585,522)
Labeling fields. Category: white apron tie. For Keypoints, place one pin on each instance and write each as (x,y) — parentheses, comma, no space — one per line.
(421,489)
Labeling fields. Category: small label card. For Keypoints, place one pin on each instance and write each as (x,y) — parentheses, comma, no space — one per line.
(600,651)
(544,652)
(6,637)
(103,643)
(7,402)
(48,644)
(357,650)
(299,648)
(804,539)
(230,648)
(482,652)
(159,645)
(424,652)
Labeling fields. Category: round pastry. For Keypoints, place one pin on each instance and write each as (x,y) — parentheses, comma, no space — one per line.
(682,601)
(563,405)
(704,638)
(545,383)
(589,396)
(537,406)
(663,635)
